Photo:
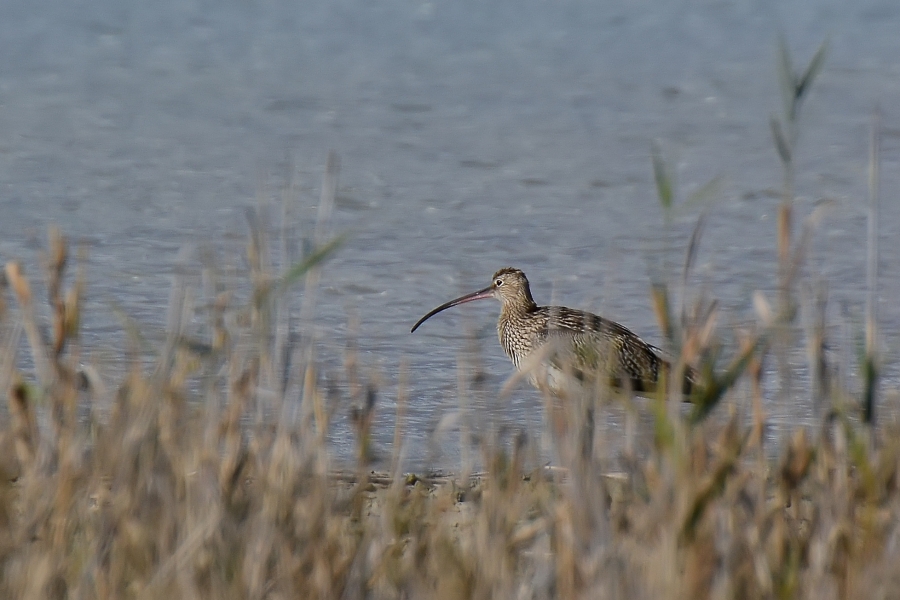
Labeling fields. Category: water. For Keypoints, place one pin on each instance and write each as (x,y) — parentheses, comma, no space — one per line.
(472,136)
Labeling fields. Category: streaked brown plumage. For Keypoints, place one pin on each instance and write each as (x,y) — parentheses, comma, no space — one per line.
(573,342)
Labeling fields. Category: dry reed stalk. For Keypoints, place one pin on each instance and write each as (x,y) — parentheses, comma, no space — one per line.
(16,279)
(870,363)
(399,421)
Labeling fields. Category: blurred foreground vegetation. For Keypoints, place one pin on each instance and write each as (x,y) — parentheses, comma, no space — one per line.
(183,491)
(165,497)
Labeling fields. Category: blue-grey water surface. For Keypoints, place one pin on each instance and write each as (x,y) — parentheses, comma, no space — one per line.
(472,135)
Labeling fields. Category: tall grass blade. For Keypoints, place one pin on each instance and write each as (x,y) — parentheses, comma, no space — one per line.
(704,195)
(689,259)
(659,292)
(314,259)
(781,142)
(15,276)
(713,486)
(664,184)
(871,363)
(812,70)
(717,385)
(787,80)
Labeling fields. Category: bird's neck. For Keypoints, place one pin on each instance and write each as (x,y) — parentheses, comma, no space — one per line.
(515,331)
(521,304)
(512,311)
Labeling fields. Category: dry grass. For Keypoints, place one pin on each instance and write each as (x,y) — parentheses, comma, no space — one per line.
(222,497)
(168,498)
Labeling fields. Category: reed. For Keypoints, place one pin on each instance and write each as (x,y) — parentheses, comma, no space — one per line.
(181,490)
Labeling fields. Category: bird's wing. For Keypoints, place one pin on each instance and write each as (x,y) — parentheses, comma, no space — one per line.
(580,323)
(598,343)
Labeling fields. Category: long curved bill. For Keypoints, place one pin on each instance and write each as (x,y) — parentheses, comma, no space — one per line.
(487,292)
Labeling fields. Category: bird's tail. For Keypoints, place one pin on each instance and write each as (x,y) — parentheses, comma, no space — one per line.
(692,381)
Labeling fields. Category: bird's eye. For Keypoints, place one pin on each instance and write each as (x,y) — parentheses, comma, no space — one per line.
(498,283)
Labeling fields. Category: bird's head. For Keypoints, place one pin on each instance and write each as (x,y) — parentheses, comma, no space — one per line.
(508,285)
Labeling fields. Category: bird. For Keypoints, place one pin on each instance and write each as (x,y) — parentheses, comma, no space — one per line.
(569,343)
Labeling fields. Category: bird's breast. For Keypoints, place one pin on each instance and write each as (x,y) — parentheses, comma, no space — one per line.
(518,337)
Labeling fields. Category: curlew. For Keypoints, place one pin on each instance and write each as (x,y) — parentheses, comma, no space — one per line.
(567,342)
